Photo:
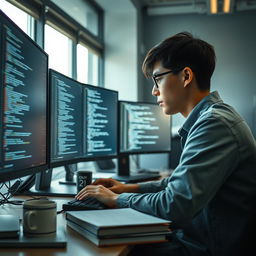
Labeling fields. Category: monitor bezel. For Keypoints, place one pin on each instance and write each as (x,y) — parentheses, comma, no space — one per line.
(139,152)
(7,175)
(63,162)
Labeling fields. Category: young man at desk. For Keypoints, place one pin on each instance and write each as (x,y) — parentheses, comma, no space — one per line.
(210,196)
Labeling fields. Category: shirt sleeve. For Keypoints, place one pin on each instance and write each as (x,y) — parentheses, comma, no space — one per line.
(153,186)
(209,156)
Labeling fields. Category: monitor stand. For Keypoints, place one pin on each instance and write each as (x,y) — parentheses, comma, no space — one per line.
(70,170)
(123,172)
(44,186)
(105,166)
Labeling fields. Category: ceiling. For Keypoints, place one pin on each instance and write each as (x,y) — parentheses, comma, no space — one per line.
(167,7)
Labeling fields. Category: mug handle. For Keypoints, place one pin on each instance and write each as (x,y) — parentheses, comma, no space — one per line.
(27,218)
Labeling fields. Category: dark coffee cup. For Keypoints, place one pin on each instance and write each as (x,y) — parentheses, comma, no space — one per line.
(83,178)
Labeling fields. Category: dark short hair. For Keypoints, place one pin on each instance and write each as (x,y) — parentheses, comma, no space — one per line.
(180,51)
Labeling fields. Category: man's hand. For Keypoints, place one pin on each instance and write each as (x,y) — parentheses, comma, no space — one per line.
(113,185)
(106,191)
(116,186)
(101,193)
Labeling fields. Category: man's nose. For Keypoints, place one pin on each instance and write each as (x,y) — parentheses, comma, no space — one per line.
(155,91)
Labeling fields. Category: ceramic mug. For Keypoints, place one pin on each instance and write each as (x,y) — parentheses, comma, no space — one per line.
(39,217)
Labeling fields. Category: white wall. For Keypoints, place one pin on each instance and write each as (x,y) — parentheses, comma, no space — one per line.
(234,39)
(120,36)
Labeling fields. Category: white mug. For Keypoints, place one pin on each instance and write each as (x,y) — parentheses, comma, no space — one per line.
(39,218)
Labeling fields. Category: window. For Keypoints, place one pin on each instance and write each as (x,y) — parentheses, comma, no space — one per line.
(87,65)
(69,31)
(82,64)
(59,48)
(82,12)
(21,18)
(93,69)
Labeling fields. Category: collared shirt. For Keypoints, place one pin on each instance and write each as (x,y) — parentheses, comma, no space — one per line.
(212,192)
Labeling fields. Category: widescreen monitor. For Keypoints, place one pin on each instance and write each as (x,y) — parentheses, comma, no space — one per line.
(144,128)
(23,103)
(67,119)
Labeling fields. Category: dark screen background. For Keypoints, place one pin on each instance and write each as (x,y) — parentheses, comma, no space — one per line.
(101,129)
(144,128)
(66,118)
(23,100)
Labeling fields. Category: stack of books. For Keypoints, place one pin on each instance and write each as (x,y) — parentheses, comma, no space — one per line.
(118,226)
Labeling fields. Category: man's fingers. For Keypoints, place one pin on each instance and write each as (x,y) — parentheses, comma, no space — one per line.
(82,191)
(85,194)
(90,190)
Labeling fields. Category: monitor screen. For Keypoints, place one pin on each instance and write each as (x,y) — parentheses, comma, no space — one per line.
(66,118)
(144,128)
(23,100)
(83,121)
(101,122)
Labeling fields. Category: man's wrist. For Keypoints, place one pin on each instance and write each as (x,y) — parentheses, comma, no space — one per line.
(114,200)
(132,188)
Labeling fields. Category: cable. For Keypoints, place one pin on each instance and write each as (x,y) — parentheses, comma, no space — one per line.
(61,211)
(5,196)
(10,192)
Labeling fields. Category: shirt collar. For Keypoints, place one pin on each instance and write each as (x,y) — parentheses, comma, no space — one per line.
(195,113)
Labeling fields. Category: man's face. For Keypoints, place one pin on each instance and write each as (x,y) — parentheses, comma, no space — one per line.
(170,92)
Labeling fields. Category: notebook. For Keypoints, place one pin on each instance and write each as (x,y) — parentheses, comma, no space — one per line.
(9,226)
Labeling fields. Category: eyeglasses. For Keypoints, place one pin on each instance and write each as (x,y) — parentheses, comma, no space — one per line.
(162,74)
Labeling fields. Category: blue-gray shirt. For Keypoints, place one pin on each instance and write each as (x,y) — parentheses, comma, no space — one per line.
(212,193)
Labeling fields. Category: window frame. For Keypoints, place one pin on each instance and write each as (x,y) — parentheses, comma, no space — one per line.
(47,12)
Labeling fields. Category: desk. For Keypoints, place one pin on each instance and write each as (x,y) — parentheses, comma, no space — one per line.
(76,244)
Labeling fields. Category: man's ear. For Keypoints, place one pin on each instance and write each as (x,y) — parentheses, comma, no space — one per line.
(187,76)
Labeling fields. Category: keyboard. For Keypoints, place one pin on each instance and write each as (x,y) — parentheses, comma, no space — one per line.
(89,203)
(137,177)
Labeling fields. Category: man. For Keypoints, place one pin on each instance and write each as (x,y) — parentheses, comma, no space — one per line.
(210,197)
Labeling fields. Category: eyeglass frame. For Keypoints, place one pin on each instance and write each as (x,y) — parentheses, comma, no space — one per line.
(162,74)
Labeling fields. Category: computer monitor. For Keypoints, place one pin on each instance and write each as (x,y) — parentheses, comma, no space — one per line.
(144,128)
(101,127)
(67,119)
(23,103)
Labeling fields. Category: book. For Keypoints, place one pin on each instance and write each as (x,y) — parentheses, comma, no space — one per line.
(118,221)
(9,226)
(129,239)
